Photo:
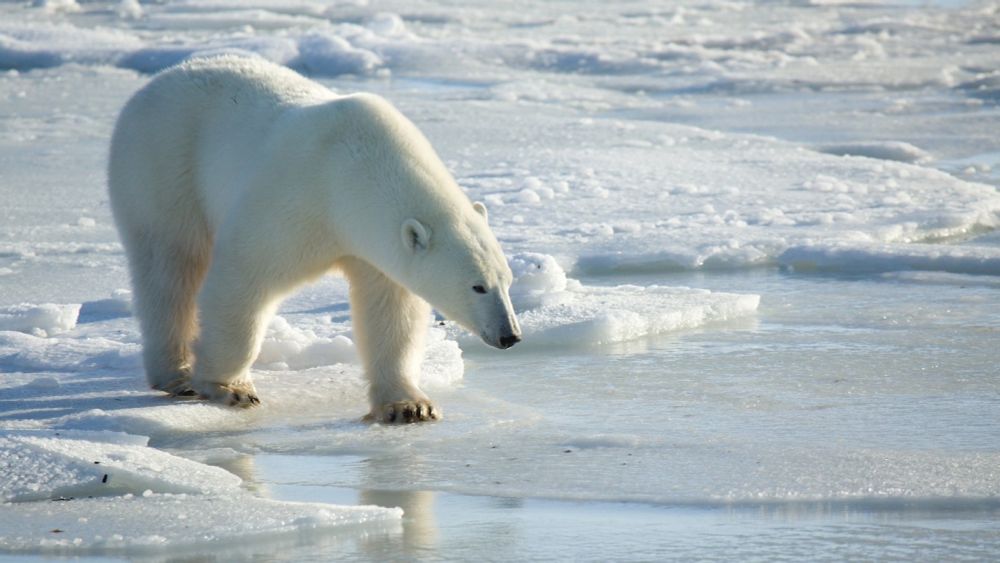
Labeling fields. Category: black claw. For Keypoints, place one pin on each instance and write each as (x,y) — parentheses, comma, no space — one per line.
(186,393)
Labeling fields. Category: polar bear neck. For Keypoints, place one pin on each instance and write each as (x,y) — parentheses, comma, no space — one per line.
(392,174)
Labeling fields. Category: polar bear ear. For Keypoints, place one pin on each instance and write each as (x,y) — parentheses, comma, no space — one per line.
(416,237)
(480,208)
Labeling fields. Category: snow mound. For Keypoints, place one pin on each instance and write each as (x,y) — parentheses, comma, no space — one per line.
(884,150)
(876,258)
(538,280)
(40,320)
(327,54)
(287,347)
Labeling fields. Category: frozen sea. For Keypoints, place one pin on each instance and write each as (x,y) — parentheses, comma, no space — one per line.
(758,269)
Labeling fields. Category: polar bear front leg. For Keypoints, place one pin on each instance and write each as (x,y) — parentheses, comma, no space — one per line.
(390,323)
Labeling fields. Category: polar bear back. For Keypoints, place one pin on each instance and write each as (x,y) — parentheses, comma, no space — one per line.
(205,124)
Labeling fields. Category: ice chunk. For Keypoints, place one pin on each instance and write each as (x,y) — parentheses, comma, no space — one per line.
(872,258)
(603,315)
(443,366)
(331,55)
(556,310)
(47,465)
(41,320)
(173,521)
(538,280)
(565,313)
(115,493)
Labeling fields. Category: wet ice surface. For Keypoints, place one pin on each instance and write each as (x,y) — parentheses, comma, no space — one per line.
(757,267)
(850,415)
(851,418)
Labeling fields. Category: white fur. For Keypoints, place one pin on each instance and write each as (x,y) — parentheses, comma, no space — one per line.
(234,180)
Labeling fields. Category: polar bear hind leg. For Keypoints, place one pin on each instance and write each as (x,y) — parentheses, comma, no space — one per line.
(166,275)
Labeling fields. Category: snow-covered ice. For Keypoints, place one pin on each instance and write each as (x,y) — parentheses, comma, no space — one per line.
(44,319)
(756,259)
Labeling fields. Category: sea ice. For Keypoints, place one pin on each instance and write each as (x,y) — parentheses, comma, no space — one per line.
(48,465)
(704,144)
(110,491)
(869,258)
(153,522)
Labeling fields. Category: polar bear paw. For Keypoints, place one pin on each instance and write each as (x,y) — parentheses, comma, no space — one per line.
(242,395)
(404,412)
(179,387)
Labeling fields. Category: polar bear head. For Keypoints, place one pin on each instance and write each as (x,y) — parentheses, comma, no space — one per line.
(405,214)
(456,264)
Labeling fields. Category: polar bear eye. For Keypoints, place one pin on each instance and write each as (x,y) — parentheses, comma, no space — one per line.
(479,289)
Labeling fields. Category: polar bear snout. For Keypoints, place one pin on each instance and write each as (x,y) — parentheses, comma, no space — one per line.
(506,332)
(504,339)
(509,340)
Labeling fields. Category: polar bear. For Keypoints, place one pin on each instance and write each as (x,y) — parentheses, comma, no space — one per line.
(234,180)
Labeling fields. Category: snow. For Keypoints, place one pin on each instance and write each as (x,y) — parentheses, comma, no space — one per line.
(755,255)
(44,319)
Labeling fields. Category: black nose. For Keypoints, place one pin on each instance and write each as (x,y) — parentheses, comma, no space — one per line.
(508,341)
